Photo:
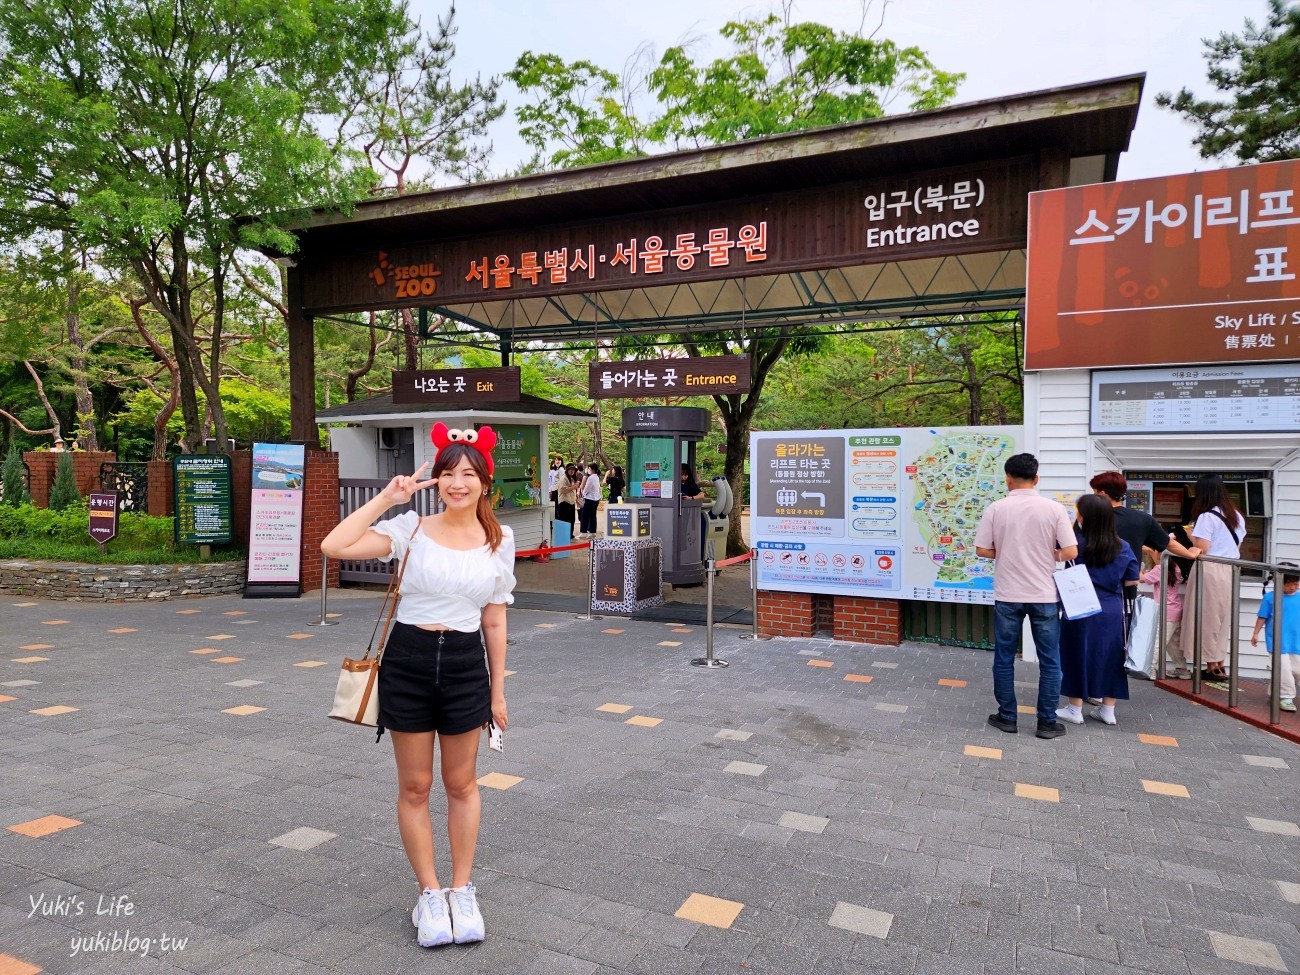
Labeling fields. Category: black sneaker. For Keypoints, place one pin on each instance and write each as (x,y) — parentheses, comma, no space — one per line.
(1053,730)
(1002,724)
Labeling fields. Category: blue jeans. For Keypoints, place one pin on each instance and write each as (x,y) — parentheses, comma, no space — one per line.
(1045,624)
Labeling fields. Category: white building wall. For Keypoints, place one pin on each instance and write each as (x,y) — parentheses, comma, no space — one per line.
(1286,504)
(357,449)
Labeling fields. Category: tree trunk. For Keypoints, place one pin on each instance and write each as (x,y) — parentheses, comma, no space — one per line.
(355,375)
(408,333)
(77,359)
(169,407)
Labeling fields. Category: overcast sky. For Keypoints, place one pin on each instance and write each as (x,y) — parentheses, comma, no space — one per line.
(1004,46)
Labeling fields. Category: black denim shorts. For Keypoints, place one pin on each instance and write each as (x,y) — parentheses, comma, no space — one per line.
(433,680)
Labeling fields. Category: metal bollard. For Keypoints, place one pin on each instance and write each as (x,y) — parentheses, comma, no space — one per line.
(591,584)
(1234,644)
(1198,620)
(708,660)
(1275,658)
(324,588)
(1161,612)
(753,600)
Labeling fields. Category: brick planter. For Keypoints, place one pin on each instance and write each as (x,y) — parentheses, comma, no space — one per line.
(78,581)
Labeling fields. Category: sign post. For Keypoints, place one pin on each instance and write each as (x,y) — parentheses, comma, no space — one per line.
(652,378)
(103,516)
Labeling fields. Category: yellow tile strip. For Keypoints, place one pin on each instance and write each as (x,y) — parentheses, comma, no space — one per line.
(1039,792)
(310,663)
(298,636)
(123,629)
(858,678)
(203,650)
(499,780)
(38,646)
(9,965)
(713,911)
(979,751)
(54,709)
(45,825)
(1164,740)
(242,710)
(949,682)
(641,721)
(226,660)
(615,708)
(1166,789)
(820,663)
(29,660)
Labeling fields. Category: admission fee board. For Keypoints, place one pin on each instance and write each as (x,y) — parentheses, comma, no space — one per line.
(888,513)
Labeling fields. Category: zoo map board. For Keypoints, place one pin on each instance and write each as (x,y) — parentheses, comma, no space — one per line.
(888,513)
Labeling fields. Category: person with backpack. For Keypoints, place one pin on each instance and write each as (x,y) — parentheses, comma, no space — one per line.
(1218,529)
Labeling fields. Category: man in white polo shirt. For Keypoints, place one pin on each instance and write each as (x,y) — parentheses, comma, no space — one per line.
(1027,534)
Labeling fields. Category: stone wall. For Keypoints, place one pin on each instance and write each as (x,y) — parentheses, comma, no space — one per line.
(119,583)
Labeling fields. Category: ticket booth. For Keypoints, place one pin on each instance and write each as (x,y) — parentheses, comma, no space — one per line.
(660,439)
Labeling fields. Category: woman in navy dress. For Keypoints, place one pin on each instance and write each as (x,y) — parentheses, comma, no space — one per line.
(1092,648)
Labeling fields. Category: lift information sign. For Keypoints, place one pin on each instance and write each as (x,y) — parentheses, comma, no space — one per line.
(887,512)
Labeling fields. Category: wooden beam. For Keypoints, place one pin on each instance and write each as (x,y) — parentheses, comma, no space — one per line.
(302,366)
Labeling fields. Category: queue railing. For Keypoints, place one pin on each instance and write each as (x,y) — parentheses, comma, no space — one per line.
(1197,586)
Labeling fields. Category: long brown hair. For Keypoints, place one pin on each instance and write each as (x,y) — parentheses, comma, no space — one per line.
(1210,494)
(449,457)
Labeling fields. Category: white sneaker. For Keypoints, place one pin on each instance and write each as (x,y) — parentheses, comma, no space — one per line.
(1099,714)
(465,917)
(430,917)
(1071,714)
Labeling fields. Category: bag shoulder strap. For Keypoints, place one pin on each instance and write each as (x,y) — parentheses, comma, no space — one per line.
(391,597)
(1231,531)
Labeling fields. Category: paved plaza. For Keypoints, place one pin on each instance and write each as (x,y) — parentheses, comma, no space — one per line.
(815,808)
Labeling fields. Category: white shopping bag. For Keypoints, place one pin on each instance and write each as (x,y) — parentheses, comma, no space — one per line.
(1078,597)
(1142,638)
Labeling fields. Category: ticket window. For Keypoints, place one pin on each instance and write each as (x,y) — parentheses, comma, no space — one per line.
(1170,503)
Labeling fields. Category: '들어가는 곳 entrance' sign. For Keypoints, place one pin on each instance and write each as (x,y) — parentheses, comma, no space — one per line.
(201,492)
(653,378)
(1201,268)
(275,519)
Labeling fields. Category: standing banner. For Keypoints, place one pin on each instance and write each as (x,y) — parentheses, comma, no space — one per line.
(103,516)
(275,521)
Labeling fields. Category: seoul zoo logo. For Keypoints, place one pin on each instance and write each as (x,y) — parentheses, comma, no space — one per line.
(411,280)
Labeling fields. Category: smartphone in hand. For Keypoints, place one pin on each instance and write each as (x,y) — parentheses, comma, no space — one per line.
(496,740)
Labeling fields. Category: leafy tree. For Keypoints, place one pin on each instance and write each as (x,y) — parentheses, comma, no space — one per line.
(13,491)
(152,130)
(63,492)
(1259,72)
(778,77)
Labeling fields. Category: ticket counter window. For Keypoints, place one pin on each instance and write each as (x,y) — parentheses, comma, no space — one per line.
(1170,503)
(652,468)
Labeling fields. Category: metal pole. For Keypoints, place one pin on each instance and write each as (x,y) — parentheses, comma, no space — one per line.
(1235,640)
(324,587)
(708,660)
(753,600)
(1161,612)
(1198,617)
(1275,658)
(591,583)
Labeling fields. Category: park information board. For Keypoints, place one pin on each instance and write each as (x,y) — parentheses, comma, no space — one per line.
(275,517)
(201,492)
(1198,399)
(887,513)
(516,477)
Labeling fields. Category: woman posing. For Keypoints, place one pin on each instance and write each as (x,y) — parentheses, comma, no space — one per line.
(1092,648)
(590,499)
(1218,528)
(433,681)
(616,483)
(566,508)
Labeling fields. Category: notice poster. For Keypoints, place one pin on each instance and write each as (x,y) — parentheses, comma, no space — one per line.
(888,512)
(516,478)
(275,519)
(201,494)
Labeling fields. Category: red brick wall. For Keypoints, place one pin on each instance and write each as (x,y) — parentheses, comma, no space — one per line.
(320,513)
(41,465)
(241,494)
(161,502)
(85,468)
(862,620)
(823,614)
(785,614)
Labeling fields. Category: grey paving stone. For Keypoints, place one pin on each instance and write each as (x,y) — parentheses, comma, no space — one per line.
(887,665)
(1246,951)
(731,734)
(303,838)
(1290,892)
(803,822)
(1266,761)
(863,920)
(1278,826)
(246,682)
(892,708)
(745,768)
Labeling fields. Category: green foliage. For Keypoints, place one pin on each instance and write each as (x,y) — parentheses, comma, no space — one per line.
(778,77)
(1259,72)
(29,532)
(255,414)
(13,491)
(64,493)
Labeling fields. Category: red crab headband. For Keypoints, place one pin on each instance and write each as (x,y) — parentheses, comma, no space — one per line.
(483,440)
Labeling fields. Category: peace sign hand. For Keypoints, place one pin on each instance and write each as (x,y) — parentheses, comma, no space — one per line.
(401,489)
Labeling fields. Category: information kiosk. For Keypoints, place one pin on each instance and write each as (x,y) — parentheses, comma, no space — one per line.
(660,439)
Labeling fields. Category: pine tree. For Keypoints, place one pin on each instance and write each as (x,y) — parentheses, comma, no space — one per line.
(64,493)
(13,491)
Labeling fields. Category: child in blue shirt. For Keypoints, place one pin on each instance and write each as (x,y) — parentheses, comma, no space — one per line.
(1290,658)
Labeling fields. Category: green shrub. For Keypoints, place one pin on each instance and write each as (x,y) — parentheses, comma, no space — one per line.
(13,491)
(29,532)
(64,493)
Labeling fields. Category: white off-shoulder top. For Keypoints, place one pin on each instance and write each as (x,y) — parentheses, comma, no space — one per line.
(446,586)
